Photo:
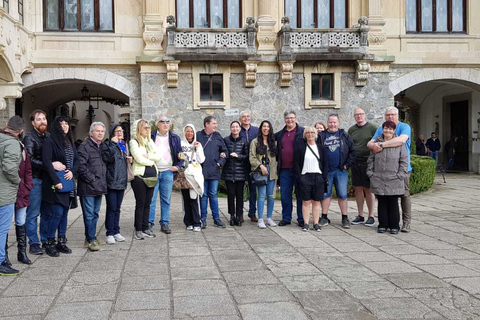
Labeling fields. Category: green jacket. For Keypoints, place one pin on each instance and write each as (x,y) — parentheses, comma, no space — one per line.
(10,156)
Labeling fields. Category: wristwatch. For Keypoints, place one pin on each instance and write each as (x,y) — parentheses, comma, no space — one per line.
(381,145)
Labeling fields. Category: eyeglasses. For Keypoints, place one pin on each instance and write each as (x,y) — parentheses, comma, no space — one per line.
(164,121)
(119,131)
(359,114)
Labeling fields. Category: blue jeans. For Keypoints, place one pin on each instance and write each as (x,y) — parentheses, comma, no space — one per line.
(56,215)
(210,194)
(287,182)
(6,215)
(266,192)
(252,200)
(90,209)
(33,211)
(451,162)
(339,178)
(164,185)
(434,155)
(20,216)
(112,218)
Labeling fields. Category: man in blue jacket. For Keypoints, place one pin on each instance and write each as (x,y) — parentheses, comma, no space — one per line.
(215,156)
(433,144)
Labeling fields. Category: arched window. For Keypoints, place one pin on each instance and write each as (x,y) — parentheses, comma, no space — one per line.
(439,16)
(209,13)
(323,14)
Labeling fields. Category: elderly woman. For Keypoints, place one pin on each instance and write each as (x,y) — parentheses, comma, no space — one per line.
(320,126)
(387,171)
(263,152)
(310,168)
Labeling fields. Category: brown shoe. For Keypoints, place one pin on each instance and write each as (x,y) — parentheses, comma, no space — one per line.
(253,219)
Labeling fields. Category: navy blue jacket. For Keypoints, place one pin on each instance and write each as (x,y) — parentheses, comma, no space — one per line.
(279,137)
(249,134)
(433,145)
(347,148)
(175,147)
(213,145)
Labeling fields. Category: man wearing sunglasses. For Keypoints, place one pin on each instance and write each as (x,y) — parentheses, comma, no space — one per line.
(167,166)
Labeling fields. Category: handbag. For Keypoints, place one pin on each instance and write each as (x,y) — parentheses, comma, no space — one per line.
(67,185)
(130,175)
(150,181)
(258,179)
(180,182)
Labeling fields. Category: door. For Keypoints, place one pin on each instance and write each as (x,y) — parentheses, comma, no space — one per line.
(459,130)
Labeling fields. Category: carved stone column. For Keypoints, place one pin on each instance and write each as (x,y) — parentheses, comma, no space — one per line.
(377,35)
(266,33)
(153,27)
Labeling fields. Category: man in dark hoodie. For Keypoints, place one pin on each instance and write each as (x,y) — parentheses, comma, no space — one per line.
(215,157)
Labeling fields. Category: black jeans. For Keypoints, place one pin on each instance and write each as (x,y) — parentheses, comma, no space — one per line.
(388,213)
(235,194)
(112,217)
(191,208)
(143,199)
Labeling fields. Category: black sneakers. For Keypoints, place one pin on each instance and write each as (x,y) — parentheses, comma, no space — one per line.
(358,220)
(345,222)
(5,270)
(283,223)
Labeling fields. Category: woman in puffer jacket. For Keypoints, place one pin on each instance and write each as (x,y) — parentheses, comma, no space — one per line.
(193,154)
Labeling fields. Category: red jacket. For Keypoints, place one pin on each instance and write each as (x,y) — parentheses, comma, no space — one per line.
(26,183)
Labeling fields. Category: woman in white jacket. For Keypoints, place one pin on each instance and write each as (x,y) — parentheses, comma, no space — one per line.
(193,154)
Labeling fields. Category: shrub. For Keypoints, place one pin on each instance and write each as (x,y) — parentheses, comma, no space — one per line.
(423,173)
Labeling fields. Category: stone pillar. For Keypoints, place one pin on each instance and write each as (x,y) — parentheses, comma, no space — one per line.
(377,35)
(266,34)
(7,110)
(153,27)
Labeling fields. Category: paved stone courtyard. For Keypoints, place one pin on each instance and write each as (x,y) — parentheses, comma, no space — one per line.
(277,273)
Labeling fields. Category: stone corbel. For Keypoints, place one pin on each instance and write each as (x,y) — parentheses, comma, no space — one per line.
(250,73)
(286,72)
(153,36)
(172,73)
(361,73)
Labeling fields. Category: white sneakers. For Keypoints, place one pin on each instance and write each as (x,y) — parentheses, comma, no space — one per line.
(271,223)
(110,240)
(116,238)
(190,228)
(261,224)
(197,229)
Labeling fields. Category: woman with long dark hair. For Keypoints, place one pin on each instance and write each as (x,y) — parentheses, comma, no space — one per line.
(263,152)
(59,147)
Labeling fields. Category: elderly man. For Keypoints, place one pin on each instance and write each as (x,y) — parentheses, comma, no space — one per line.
(341,156)
(249,132)
(215,156)
(167,166)
(403,134)
(286,139)
(361,133)
(92,182)
(10,156)
(421,148)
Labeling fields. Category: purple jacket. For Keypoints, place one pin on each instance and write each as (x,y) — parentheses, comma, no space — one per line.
(26,183)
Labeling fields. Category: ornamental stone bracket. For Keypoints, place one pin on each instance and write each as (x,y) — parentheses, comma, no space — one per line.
(361,73)
(286,72)
(250,73)
(153,36)
(172,73)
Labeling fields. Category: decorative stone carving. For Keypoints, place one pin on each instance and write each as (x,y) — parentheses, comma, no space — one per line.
(361,74)
(286,71)
(343,39)
(266,35)
(250,73)
(207,39)
(376,39)
(172,73)
(153,35)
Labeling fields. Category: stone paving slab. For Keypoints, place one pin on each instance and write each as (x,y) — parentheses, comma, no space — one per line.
(433,272)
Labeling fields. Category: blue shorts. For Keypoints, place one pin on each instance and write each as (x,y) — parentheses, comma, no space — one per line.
(339,178)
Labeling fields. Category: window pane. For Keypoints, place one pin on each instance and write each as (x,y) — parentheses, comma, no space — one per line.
(457,15)
(52,22)
(315,86)
(87,15)
(6,6)
(411,15)
(183,13)
(291,12)
(217,87)
(323,14)
(216,13)
(233,13)
(327,87)
(204,87)
(442,16)
(71,10)
(106,15)
(427,15)
(20,11)
(307,14)
(200,10)
(340,13)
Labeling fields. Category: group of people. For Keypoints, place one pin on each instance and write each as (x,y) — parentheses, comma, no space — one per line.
(310,160)
(431,147)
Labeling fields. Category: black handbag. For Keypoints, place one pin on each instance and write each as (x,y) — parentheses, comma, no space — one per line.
(67,185)
(258,179)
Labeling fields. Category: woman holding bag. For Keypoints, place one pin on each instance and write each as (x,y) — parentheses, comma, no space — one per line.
(145,154)
(263,152)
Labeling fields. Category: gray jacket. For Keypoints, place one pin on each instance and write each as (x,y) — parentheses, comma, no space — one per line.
(387,171)
(10,156)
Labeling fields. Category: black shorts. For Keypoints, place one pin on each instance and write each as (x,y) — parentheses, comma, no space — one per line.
(359,175)
(311,187)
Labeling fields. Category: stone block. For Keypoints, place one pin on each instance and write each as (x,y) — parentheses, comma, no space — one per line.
(80,73)
(293,269)
(87,293)
(420,259)
(140,283)
(261,294)
(249,278)
(143,300)
(90,74)
(470,284)
(402,250)
(195,273)
(94,277)
(96,310)
(10,306)
(69,73)
(30,287)
(100,76)
(203,306)
(399,308)
(272,311)
(190,262)
(371,256)
(449,271)
(416,281)
(142,315)
(183,288)
(318,282)
(389,267)
(379,288)
(111,79)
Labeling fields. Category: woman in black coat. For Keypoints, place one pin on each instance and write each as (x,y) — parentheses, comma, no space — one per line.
(58,154)
(235,172)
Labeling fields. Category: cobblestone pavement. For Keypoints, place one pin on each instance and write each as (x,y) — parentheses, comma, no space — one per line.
(277,273)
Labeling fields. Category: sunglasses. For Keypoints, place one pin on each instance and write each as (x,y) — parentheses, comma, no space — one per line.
(164,121)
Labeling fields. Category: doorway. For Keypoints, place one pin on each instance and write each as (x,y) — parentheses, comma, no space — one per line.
(459,129)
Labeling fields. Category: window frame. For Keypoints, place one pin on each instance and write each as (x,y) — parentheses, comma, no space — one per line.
(332,86)
(211,86)
(315,15)
(418,16)
(7,8)
(20,12)
(61,17)
(191,14)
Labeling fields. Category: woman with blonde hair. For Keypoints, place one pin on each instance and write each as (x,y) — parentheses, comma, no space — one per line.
(145,155)
(320,126)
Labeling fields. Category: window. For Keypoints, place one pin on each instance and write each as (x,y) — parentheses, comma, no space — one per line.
(20,11)
(322,86)
(78,15)
(439,16)
(325,14)
(211,87)
(6,5)
(209,13)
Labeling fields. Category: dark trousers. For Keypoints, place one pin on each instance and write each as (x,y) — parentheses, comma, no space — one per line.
(191,208)
(56,219)
(235,194)
(112,218)
(252,198)
(143,199)
(388,213)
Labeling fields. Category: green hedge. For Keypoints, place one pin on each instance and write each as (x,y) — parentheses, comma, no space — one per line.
(423,173)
